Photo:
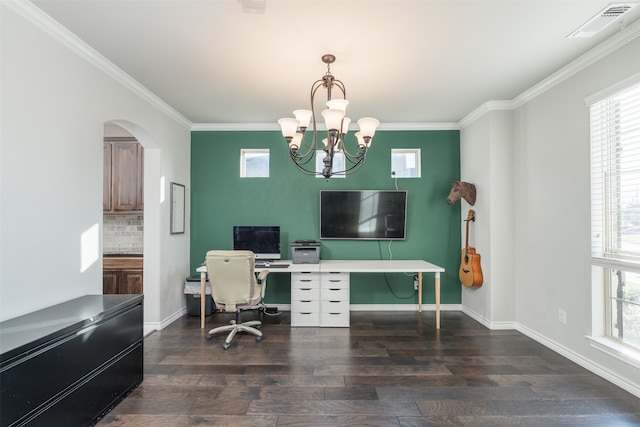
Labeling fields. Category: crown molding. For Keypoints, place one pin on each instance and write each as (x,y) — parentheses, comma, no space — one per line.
(484,109)
(50,26)
(60,33)
(420,126)
(218,127)
(608,46)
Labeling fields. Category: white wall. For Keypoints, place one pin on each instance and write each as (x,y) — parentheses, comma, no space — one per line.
(546,170)
(486,157)
(553,208)
(55,102)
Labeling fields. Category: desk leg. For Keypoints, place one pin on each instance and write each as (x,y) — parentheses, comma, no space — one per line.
(419,292)
(437,300)
(203,300)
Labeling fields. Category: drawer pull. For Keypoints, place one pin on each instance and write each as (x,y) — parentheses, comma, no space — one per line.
(334,289)
(305,289)
(335,280)
(305,280)
(335,302)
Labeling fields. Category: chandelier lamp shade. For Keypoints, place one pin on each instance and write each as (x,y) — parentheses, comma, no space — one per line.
(303,151)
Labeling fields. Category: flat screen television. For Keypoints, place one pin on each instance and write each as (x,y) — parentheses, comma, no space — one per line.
(262,240)
(363,214)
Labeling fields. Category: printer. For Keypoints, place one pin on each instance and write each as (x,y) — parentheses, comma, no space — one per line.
(305,252)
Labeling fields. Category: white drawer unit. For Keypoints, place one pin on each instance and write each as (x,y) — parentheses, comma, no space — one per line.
(334,299)
(305,294)
(334,319)
(305,280)
(304,318)
(335,280)
(305,299)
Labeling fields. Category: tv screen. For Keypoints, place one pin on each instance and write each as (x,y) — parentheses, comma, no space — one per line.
(363,214)
(263,241)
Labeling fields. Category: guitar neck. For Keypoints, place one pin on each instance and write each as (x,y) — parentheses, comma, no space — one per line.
(467,237)
(470,217)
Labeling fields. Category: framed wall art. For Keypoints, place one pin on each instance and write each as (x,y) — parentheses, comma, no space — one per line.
(177,208)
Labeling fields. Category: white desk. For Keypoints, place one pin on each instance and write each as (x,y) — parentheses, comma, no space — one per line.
(350,266)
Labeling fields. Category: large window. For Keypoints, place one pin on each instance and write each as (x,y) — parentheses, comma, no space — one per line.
(615,211)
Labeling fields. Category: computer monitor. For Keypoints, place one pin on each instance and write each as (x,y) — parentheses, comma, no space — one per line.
(262,240)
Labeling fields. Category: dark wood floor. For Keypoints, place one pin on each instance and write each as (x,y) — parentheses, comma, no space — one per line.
(388,369)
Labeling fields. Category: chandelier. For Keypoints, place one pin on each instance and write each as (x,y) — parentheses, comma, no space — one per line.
(303,151)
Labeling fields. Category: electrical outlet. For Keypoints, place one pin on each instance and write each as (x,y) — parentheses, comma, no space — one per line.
(562,316)
(415,283)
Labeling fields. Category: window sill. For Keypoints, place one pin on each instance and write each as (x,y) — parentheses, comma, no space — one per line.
(615,349)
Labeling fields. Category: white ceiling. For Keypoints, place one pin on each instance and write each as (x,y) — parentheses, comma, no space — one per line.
(402,61)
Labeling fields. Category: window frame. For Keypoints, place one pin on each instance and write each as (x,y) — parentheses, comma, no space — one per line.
(244,153)
(417,153)
(608,237)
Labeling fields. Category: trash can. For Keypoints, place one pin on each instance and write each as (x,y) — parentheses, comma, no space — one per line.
(192,294)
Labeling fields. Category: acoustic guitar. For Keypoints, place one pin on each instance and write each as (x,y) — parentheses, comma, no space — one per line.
(470,270)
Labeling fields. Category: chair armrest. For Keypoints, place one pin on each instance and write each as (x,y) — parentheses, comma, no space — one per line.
(262,282)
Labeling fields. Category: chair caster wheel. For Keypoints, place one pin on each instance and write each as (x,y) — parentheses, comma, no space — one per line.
(258,339)
(226,345)
(209,337)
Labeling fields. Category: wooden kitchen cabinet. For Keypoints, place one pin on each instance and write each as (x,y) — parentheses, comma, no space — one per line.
(122,275)
(123,188)
(107,180)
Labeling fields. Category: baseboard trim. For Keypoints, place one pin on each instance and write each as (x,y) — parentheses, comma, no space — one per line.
(582,361)
(488,323)
(158,326)
(403,307)
(560,349)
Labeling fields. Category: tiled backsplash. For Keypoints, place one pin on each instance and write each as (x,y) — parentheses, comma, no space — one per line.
(123,234)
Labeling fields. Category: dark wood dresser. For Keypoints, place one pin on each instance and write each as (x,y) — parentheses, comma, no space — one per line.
(69,364)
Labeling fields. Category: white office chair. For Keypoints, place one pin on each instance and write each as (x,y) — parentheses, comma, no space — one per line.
(234,288)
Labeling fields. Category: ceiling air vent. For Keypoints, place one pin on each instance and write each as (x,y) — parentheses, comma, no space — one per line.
(603,18)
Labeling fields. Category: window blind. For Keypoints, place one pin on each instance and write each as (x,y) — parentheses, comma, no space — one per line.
(615,176)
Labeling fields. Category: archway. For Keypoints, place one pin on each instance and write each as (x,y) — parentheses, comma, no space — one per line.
(153,197)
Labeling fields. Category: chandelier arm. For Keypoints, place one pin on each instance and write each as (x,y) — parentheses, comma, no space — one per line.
(312,146)
(354,160)
(309,149)
(348,154)
(299,159)
(354,167)
(304,170)
(340,86)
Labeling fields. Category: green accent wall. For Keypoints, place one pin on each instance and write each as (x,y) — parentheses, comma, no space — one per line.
(221,199)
